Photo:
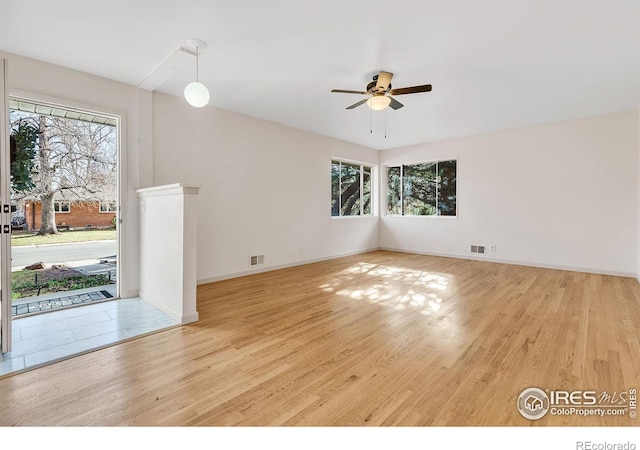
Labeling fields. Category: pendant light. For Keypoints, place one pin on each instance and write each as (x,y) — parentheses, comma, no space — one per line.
(196,93)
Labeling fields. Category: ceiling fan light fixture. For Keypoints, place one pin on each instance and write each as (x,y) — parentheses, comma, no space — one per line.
(378,90)
(196,93)
(378,102)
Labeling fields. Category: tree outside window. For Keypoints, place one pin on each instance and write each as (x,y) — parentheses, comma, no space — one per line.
(350,189)
(423,189)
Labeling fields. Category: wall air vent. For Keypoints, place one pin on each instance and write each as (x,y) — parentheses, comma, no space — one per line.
(257,260)
(478,249)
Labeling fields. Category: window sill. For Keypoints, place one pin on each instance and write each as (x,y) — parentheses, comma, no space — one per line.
(364,216)
(420,217)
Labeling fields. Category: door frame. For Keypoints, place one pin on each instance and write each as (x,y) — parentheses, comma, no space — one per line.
(5,213)
(121,162)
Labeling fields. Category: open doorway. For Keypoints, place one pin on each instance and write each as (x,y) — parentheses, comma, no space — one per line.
(64,207)
(50,327)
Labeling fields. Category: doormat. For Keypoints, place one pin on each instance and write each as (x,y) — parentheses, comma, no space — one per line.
(54,303)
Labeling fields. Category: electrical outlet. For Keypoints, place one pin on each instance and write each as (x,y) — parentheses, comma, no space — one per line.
(301,251)
(493,247)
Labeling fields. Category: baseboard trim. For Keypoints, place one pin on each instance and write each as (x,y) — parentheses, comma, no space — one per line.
(183,319)
(416,252)
(190,318)
(130,294)
(244,273)
(519,263)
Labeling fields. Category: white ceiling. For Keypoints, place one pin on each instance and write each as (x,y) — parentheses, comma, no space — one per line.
(493,64)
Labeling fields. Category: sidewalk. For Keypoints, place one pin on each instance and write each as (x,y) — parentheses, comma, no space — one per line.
(61,243)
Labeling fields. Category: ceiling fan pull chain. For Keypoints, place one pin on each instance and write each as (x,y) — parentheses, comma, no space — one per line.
(371,121)
(385,123)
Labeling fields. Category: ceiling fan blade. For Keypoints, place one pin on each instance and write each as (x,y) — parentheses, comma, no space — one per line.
(395,104)
(411,90)
(384,79)
(342,91)
(355,105)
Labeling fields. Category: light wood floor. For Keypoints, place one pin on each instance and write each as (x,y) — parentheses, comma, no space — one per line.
(376,339)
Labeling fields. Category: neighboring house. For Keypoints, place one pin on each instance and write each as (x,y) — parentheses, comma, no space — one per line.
(73,211)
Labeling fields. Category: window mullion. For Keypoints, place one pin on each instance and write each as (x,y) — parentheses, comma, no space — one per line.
(402,189)
(361,190)
(340,191)
(437,187)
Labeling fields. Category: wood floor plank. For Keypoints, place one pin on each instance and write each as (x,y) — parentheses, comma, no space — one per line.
(378,339)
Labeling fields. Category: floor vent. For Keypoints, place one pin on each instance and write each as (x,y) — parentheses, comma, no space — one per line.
(478,249)
(257,260)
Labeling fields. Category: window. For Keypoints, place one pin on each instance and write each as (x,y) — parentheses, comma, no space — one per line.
(107,207)
(350,189)
(62,206)
(424,189)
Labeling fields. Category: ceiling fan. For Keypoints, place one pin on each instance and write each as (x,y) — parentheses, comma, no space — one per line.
(378,90)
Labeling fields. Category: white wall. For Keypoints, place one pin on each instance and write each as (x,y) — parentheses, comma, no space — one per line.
(559,195)
(46,82)
(265,188)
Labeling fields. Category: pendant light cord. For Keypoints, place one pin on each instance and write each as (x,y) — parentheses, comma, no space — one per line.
(197,66)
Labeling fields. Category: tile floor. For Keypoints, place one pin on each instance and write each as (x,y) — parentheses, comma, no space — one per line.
(48,337)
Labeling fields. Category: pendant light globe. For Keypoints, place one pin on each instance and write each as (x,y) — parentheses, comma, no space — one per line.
(196,94)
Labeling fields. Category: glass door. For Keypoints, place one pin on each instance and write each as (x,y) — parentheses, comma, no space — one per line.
(5,215)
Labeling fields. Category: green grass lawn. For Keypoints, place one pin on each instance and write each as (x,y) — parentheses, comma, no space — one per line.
(63,237)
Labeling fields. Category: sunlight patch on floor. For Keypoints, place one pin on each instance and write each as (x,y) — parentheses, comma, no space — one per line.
(398,287)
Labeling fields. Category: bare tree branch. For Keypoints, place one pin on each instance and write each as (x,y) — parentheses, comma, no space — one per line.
(73,156)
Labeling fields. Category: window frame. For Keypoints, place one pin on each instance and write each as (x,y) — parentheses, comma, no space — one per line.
(372,187)
(401,165)
(58,209)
